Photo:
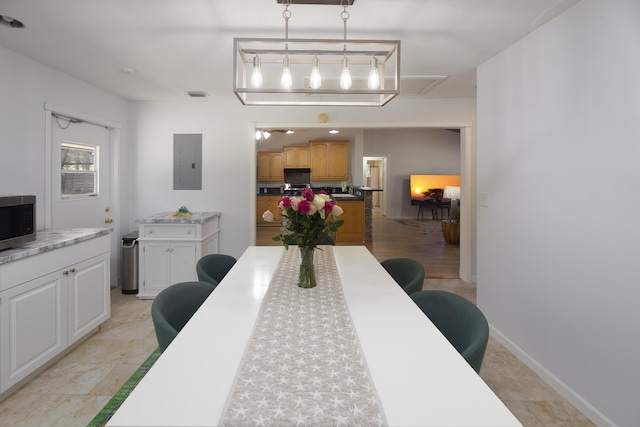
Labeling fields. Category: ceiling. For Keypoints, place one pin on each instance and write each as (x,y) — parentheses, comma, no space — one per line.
(161,49)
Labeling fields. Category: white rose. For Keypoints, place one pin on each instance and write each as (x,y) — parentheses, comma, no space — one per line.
(318,202)
(336,211)
(268,216)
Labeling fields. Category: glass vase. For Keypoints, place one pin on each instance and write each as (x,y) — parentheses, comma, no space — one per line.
(307,275)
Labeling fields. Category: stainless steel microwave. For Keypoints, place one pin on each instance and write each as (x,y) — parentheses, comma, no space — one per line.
(17,220)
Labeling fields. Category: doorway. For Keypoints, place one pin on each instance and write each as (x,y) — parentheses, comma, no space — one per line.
(81,188)
(374,174)
(467,176)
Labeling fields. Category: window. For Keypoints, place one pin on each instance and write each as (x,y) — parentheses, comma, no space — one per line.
(79,170)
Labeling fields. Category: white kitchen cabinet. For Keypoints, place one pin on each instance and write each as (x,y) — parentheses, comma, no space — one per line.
(48,301)
(170,247)
(88,295)
(33,326)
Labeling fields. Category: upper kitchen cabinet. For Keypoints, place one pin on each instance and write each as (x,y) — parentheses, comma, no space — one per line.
(329,160)
(270,166)
(296,157)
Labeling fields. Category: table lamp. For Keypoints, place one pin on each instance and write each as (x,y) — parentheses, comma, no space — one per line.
(453,193)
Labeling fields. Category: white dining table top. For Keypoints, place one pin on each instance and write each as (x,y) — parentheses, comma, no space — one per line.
(420,379)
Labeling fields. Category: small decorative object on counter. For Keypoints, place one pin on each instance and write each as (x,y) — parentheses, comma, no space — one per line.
(309,220)
(182,211)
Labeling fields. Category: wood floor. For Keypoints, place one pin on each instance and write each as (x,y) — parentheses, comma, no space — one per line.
(417,239)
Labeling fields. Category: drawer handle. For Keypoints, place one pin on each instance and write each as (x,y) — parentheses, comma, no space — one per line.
(73,270)
(150,231)
(188,231)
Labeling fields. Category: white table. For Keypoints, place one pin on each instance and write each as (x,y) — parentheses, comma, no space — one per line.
(420,378)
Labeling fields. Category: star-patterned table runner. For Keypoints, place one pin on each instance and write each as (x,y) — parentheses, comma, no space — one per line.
(303,365)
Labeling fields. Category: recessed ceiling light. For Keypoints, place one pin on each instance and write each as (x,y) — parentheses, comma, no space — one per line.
(7,21)
(334,131)
(289,131)
(128,70)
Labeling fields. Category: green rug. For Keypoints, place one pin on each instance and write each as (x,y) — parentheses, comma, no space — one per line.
(114,403)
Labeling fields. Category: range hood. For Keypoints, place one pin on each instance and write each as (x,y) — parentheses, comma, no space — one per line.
(297,175)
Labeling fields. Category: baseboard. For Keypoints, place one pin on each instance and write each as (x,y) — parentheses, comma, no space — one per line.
(554,382)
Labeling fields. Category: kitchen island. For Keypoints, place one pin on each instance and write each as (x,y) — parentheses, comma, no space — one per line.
(358,227)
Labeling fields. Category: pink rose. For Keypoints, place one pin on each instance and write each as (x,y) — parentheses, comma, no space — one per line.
(304,206)
(328,207)
(285,203)
(307,193)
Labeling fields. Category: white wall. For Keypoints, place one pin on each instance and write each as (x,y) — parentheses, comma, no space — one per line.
(229,169)
(558,151)
(26,86)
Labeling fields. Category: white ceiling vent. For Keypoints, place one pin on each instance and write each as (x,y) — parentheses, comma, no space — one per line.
(419,85)
(197,94)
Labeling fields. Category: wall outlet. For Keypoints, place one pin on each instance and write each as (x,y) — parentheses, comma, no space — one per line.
(484,200)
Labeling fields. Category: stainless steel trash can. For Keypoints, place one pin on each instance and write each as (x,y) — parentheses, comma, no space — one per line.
(130,263)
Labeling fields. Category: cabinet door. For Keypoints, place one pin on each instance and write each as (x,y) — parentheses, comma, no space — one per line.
(33,318)
(157,267)
(89,298)
(264,166)
(352,231)
(319,162)
(290,157)
(304,157)
(263,203)
(277,167)
(183,262)
(338,161)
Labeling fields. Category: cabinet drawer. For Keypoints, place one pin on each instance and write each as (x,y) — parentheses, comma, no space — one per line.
(185,231)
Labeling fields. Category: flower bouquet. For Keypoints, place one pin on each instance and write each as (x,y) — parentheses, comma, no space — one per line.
(308,221)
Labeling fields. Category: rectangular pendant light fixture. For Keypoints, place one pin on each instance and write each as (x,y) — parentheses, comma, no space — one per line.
(287,71)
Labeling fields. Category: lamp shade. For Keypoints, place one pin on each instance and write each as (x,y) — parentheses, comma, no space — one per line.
(451,192)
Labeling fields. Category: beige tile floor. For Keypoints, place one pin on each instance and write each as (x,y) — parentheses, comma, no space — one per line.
(74,389)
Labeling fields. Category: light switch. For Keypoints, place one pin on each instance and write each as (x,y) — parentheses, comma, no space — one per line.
(484,200)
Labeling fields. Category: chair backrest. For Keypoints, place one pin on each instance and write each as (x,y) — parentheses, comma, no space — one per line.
(407,272)
(459,320)
(328,240)
(212,268)
(174,306)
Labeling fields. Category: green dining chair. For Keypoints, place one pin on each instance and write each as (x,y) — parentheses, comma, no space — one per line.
(459,320)
(212,268)
(408,273)
(174,306)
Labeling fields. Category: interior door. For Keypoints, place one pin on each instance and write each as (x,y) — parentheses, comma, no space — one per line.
(81,178)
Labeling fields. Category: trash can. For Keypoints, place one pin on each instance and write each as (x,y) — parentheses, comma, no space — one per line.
(130,263)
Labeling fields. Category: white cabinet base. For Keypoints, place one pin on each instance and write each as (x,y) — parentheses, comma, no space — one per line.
(169,251)
(48,302)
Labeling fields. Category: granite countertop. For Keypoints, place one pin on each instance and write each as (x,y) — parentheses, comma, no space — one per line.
(52,238)
(169,218)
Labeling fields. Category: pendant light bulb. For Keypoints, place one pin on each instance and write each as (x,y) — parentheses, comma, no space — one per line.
(374,76)
(256,75)
(286,81)
(315,80)
(345,75)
